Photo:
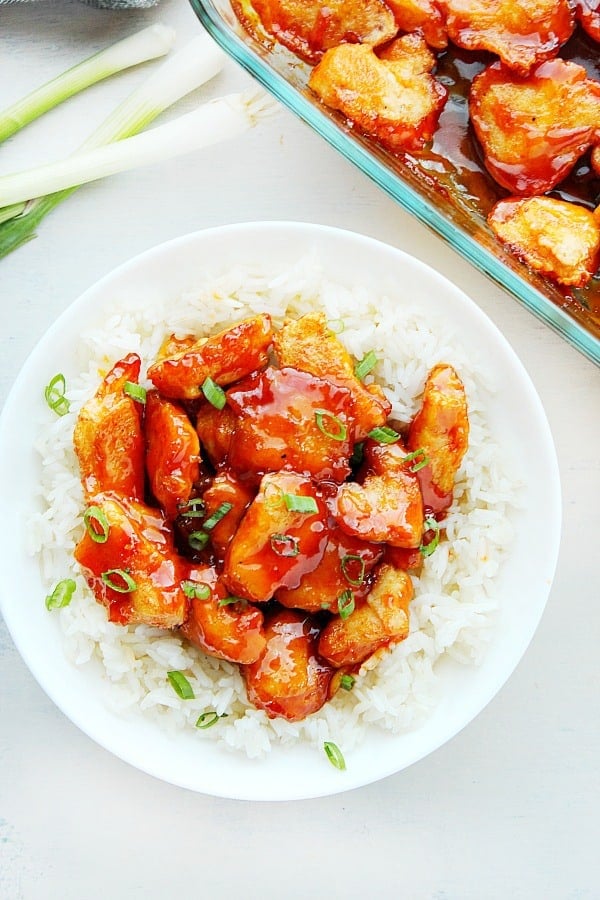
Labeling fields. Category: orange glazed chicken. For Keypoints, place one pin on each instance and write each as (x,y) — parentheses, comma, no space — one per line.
(259,501)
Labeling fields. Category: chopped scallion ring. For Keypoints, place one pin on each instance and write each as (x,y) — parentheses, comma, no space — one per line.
(195,590)
(54,394)
(208,718)
(181,685)
(340,432)
(350,563)
(285,545)
(192,509)
(334,755)
(420,457)
(96,524)
(216,517)
(358,454)
(213,393)
(346,604)
(347,682)
(198,540)
(135,391)
(119,580)
(366,365)
(384,435)
(227,601)
(298,503)
(336,325)
(273,495)
(430,524)
(61,595)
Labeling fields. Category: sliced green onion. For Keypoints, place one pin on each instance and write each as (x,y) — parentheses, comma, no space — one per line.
(196,590)
(54,394)
(420,463)
(135,391)
(366,365)
(273,496)
(125,586)
(340,429)
(298,503)
(347,682)
(285,545)
(228,601)
(198,539)
(61,595)
(358,454)
(334,755)
(336,325)
(96,524)
(216,517)
(213,393)
(181,685)
(346,604)
(349,563)
(208,718)
(430,524)
(192,509)
(384,435)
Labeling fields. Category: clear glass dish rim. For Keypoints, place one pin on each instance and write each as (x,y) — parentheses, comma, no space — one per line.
(481,258)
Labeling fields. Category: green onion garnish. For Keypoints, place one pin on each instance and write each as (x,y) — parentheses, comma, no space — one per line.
(346,604)
(340,432)
(298,503)
(214,394)
(195,590)
(358,454)
(216,517)
(334,755)
(350,562)
(96,524)
(336,325)
(54,394)
(135,391)
(285,545)
(198,540)
(61,595)
(192,509)
(430,524)
(347,682)
(124,586)
(227,601)
(181,685)
(208,718)
(367,363)
(420,463)
(384,435)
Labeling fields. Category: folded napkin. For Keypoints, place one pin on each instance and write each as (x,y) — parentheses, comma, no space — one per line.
(106,4)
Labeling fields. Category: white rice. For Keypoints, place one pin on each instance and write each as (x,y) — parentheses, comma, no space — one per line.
(453,612)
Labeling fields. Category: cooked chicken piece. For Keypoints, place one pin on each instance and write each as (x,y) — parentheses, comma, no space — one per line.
(173,345)
(215,428)
(559,239)
(108,437)
(345,565)
(308,27)
(441,430)
(231,631)
(383,619)
(172,453)
(397,102)
(387,506)
(129,561)
(226,489)
(289,679)
(425,16)
(534,129)
(275,545)
(290,419)
(225,357)
(308,344)
(588,14)
(521,32)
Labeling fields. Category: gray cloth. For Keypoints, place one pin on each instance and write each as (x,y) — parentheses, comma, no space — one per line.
(106,4)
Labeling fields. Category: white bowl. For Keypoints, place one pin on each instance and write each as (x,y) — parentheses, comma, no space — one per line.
(288,772)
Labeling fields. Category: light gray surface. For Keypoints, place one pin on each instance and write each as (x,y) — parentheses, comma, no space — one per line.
(510,806)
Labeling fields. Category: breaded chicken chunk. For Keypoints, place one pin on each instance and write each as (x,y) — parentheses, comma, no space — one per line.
(587,13)
(172,453)
(308,344)
(521,32)
(309,27)
(394,100)
(425,16)
(534,129)
(559,239)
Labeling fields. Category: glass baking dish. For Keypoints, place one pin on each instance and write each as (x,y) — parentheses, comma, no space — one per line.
(450,198)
